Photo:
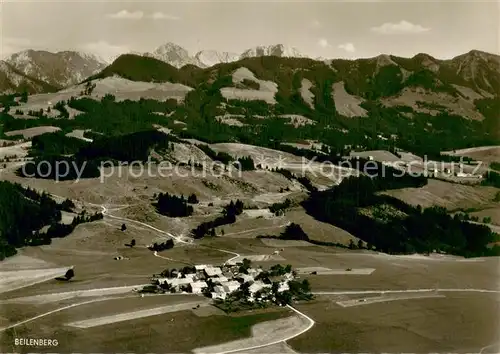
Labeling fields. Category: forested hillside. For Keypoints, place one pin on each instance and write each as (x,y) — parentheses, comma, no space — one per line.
(25,212)
(74,156)
(392,226)
(424,127)
(371,79)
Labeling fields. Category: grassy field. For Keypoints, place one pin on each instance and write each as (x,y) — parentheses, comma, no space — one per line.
(416,325)
(449,195)
(457,323)
(493,213)
(484,153)
(317,230)
(173,332)
(396,272)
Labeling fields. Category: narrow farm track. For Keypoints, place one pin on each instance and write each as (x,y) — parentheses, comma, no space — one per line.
(389,291)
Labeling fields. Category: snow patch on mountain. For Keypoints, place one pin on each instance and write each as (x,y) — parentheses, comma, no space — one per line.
(59,69)
(278,50)
(173,54)
(208,58)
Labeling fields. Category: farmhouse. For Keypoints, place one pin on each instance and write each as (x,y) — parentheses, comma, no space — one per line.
(283,287)
(219,292)
(212,271)
(178,282)
(258,285)
(197,287)
(223,282)
(254,272)
(246,278)
(220,279)
(230,286)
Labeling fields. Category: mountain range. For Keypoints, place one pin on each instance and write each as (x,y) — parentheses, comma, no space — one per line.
(177,56)
(57,70)
(423,103)
(43,71)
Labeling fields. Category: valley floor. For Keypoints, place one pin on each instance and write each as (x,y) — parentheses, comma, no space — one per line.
(364,301)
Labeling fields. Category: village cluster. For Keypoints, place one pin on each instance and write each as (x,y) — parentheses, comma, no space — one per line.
(233,281)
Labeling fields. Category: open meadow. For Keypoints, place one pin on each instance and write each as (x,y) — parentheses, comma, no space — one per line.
(363,300)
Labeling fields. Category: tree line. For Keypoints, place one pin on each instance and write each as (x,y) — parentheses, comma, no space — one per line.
(228,216)
(25,212)
(174,206)
(168,244)
(50,150)
(404,229)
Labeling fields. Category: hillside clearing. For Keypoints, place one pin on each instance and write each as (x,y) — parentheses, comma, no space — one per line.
(305,92)
(346,104)
(78,133)
(449,195)
(482,153)
(31,132)
(424,101)
(266,91)
(121,88)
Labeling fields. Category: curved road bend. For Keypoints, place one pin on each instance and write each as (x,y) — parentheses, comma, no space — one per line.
(309,326)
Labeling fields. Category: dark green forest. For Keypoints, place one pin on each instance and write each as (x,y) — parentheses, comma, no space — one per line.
(25,212)
(51,150)
(173,206)
(395,227)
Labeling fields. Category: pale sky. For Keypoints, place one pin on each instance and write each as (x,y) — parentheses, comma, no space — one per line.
(328,29)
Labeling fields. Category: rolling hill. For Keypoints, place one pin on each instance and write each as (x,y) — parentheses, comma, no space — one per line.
(419,103)
(59,69)
(13,80)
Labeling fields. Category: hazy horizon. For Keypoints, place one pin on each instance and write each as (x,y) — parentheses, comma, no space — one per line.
(328,29)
